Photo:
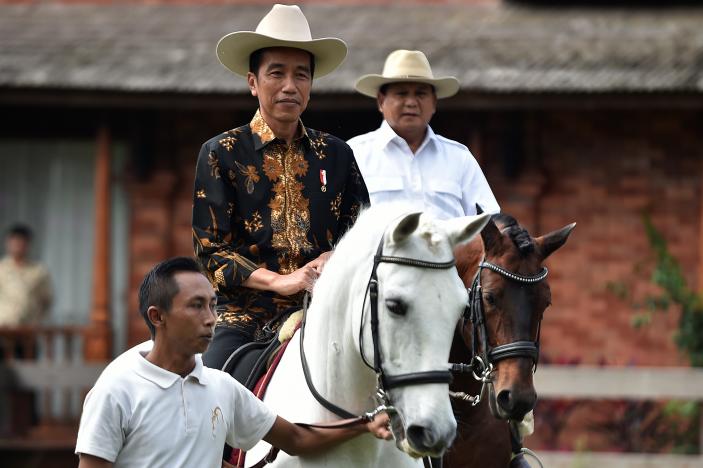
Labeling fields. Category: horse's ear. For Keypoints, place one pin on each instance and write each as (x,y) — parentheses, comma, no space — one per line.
(465,228)
(405,227)
(491,237)
(548,243)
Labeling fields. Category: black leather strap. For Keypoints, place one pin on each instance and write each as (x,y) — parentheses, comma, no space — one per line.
(413,262)
(341,412)
(515,349)
(417,378)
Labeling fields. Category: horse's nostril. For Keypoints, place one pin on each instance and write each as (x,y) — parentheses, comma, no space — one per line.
(505,401)
(514,406)
(421,438)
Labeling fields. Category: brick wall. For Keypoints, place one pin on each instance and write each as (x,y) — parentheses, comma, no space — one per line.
(602,170)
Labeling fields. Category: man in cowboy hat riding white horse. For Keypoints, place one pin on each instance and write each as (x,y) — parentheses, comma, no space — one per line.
(271,197)
(404,160)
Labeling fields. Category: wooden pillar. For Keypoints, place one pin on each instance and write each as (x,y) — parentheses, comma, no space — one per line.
(98,337)
(150,239)
(700,257)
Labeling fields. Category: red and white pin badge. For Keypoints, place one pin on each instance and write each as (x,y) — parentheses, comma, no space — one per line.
(323,180)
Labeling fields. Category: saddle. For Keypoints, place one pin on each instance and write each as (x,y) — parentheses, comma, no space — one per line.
(249,363)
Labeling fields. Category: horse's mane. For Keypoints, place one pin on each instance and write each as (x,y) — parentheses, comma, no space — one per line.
(519,235)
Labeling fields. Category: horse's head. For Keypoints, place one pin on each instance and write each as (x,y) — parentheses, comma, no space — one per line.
(510,293)
(419,300)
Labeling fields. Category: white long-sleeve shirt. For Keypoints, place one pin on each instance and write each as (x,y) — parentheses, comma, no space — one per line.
(441,178)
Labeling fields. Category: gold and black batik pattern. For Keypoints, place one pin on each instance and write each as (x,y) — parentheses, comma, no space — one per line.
(261,203)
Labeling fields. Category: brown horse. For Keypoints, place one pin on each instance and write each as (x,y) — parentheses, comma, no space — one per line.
(510,293)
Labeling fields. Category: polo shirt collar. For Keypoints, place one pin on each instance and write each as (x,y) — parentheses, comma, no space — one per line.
(263,135)
(164,378)
(386,134)
(198,372)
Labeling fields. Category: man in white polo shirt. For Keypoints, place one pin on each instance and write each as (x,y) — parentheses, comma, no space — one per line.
(163,408)
(404,160)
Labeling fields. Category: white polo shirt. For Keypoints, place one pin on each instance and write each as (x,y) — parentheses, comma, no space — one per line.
(442,177)
(140,415)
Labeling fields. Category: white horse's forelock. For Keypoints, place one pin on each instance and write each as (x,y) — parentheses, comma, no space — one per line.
(360,242)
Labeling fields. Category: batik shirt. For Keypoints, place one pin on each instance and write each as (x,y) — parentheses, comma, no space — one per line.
(259,203)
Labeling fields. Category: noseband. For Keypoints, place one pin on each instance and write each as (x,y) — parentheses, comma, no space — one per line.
(384,381)
(482,362)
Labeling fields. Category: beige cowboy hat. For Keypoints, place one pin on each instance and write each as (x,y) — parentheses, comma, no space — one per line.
(283,26)
(407,66)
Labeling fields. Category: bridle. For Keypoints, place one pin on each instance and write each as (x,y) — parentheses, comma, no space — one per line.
(483,356)
(483,361)
(384,381)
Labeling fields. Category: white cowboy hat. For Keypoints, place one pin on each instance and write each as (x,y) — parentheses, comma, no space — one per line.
(283,26)
(407,66)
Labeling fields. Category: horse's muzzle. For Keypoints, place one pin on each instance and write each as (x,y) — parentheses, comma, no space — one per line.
(511,404)
(419,440)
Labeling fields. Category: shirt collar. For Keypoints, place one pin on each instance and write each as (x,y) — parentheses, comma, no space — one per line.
(263,135)
(430,137)
(164,378)
(387,134)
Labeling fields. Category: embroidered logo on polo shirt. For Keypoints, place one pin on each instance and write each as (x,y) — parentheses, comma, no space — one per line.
(216,413)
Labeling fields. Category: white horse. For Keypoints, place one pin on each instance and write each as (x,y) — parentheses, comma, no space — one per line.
(418,309)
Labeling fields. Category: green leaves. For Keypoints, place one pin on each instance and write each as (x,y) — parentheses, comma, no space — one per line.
(668,275)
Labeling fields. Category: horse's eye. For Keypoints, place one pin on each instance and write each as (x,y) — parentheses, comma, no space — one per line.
(396,306)
(489,298)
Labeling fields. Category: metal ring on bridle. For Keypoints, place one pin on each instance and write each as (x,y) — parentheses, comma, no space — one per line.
(481,368)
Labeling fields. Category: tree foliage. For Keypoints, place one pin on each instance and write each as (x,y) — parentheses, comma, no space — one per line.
(668,275)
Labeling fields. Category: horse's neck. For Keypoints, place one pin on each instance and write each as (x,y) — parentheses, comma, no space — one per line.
(335,365)
(468,256)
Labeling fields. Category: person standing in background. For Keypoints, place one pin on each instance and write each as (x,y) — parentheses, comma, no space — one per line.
(25,286)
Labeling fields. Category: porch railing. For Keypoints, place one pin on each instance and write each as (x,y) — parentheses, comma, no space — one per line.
(620,383)
(45,382)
